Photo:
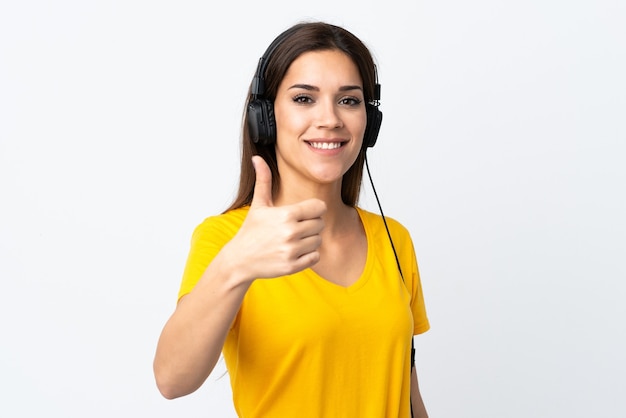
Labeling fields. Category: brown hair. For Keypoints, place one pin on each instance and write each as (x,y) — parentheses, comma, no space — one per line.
(301,38)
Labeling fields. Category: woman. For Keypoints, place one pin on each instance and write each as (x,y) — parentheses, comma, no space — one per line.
(312,300)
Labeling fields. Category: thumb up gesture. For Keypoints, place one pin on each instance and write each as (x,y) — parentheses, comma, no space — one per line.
(275,241)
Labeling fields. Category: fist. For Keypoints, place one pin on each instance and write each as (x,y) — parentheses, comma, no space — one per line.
(276,241)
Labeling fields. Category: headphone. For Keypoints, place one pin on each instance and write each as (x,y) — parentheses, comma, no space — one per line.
(260,115)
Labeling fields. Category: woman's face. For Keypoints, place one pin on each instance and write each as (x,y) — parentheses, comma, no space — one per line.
(320,118)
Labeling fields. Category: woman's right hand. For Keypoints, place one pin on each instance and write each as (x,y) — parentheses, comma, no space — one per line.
(274,241)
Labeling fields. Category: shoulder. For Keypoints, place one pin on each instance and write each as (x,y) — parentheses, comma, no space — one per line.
(376,224)
(223,226)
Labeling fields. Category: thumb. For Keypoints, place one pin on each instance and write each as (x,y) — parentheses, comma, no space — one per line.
(263,185)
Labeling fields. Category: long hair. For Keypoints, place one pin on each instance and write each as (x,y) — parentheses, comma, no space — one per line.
(301,38)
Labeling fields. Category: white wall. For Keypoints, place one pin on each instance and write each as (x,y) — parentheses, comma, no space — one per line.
(502,150)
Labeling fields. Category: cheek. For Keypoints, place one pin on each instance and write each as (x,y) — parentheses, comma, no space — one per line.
(286,122)
(289,123)
(358,126)
(289,128)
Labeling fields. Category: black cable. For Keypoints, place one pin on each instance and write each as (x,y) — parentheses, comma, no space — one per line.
(367,167)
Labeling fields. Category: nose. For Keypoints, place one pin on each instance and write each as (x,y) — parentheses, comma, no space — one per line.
(328,115)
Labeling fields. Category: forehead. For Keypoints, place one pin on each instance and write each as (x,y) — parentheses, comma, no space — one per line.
(326,67)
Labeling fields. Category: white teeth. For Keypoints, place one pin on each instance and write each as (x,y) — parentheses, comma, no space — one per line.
(325,145)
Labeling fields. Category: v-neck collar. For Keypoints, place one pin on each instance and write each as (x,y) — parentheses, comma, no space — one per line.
(365,274)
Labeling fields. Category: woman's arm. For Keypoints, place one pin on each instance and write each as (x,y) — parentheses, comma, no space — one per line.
(417,404)
(272,242)
(192,339)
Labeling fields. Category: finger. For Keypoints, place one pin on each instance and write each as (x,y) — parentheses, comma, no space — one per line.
(308,245)
(263,183)
(308,209)
(309,227)
(307,260)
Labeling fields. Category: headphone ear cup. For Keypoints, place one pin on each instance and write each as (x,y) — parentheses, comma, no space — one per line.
(261,122)
(374,120)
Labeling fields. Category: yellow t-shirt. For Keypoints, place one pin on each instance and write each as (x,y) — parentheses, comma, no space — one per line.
(302,346)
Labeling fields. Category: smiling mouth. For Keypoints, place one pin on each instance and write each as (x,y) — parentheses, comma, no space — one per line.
(326,145)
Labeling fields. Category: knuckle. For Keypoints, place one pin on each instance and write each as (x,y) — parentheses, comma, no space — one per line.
(287,254)
(289,235)
(287,215)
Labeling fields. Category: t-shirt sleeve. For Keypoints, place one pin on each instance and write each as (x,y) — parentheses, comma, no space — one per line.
(207,240)
(420,319)
(413,281)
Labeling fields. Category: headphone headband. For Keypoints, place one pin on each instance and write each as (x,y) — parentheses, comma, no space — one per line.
(258,82)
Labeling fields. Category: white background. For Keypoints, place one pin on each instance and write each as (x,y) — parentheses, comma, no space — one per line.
(502,150)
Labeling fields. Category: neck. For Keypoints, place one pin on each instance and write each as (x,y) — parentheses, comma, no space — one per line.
(337,215)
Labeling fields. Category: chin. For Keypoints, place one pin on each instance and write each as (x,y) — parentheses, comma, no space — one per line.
(328,177)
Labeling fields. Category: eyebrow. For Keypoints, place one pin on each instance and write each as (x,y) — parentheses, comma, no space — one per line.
(314,88)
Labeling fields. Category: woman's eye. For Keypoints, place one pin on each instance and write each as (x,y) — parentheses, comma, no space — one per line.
(350,101)
(302,99)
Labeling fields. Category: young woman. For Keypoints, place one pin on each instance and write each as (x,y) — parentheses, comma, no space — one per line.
(312,300)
